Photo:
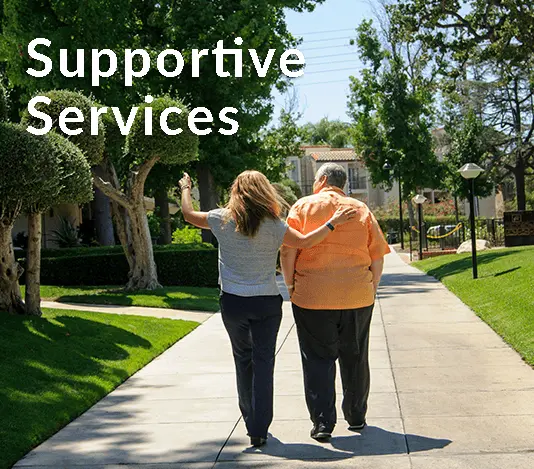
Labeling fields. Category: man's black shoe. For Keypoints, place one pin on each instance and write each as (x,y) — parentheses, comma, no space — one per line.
(320,432)
(257,441)
(357,427)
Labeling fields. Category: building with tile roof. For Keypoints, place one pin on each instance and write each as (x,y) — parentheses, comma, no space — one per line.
(302,170)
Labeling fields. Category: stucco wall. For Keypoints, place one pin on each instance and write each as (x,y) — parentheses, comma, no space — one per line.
(51,222)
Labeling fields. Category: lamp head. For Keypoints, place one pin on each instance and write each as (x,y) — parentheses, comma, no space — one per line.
(470,171)
(387,166)
(419,199)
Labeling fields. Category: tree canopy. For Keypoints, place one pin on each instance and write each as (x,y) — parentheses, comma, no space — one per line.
(487,49)
(393,117)
(168,149)
(335,133)
(469,142)
(156,26)
(92,146)
(278,144)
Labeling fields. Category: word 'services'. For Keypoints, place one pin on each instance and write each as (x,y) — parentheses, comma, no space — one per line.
(136,63)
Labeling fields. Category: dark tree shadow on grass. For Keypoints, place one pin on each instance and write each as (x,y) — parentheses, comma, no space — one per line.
(461,265)
(51,371)
(201,300)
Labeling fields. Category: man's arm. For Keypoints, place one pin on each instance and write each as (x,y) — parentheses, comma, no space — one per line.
(377,267)
(288,257)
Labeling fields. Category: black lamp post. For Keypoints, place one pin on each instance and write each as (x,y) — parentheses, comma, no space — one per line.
(388,167)
(420,199)
(471,171)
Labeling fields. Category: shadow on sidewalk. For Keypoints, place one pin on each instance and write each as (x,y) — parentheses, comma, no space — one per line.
(393,284)
(372,441)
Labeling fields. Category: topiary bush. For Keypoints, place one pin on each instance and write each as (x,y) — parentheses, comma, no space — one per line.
(92,146)
(170,149)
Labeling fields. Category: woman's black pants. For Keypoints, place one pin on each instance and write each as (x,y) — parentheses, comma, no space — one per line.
(252,324)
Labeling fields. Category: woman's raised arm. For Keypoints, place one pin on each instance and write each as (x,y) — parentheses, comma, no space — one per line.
(199,219)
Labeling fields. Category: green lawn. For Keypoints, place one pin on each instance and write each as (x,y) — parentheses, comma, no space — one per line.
(188,298)
(503,295)
(54,368)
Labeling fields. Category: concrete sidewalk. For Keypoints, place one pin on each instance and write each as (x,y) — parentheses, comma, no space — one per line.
(164,313)
(447,393)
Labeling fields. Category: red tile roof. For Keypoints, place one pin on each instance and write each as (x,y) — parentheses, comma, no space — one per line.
(342,154)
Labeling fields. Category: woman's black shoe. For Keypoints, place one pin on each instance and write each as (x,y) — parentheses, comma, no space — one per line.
(257,441)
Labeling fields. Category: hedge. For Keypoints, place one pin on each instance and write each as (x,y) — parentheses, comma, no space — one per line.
(196,267)
(99,250)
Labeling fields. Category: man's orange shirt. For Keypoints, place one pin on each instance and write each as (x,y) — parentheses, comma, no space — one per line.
(335,274)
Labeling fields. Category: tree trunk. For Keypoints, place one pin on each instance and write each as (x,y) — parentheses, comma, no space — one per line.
(520,188)
(103,218)
(33,265)
(132,225)
(122,225)
(143,275)
(161,200)
(10,272)
(209,198)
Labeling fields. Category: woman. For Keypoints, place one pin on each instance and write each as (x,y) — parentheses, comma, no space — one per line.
(250,232)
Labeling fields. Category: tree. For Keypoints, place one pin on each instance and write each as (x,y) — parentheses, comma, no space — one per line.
(489,50)
(335,133)
(278,144)
(262,26)
(92,24)
(141,153)
(69,181)
(153,27)
(469,142)
(50,170)
(70,171)
(503,27)
(392,114)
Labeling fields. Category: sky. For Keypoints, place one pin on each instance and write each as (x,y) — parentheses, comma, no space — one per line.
(330,59)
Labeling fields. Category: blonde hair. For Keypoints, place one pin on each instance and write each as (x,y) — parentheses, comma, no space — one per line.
(252,199)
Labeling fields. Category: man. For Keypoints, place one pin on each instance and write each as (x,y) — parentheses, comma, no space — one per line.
(332,288)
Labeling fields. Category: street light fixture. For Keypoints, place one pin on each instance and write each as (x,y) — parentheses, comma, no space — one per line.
(471,171)
(419,200)
(387,167)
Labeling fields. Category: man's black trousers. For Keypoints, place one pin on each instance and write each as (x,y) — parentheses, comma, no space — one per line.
(325,336)
(252,324)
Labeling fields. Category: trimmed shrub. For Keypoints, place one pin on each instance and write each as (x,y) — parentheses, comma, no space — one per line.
(91,145)
(105,250)
(196,267)
(171,149)
(187,235)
